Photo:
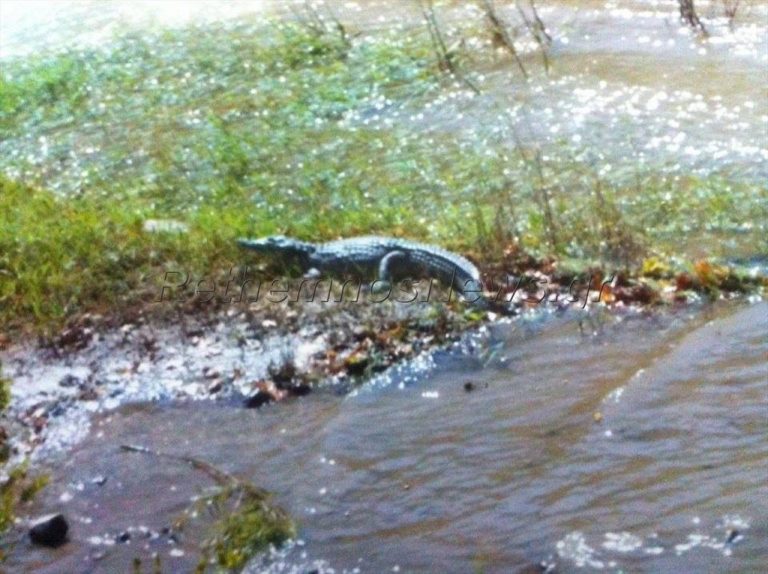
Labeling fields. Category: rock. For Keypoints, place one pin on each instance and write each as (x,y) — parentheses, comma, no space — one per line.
(300,389)
(99,480)
(123,537)
(357,363)
(89,394)
(469,386)
(49,531)
(164,226)
(210,373)
(70,380)
(258,399)
(74,338)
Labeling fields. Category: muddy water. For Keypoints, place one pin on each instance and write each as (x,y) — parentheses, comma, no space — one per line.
(413,473)
(628,87)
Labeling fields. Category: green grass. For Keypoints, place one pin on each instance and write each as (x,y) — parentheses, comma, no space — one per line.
(18,486)
(249,129)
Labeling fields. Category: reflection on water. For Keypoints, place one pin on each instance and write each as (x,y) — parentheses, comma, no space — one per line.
(28,28)
(425,476)
(629,86)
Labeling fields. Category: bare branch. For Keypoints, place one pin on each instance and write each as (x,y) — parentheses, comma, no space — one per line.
(501,34)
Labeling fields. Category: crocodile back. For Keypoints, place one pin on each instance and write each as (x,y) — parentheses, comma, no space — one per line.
(421,259)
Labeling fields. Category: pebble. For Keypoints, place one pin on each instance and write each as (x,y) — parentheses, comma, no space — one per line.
(258,399)
(49,531)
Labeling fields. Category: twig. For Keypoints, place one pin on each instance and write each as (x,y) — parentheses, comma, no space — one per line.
(502,34)
(538,31)
(689,16)
(219,476)
(444,55)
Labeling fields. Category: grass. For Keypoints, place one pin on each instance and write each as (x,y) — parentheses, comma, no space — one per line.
(247,129)
(18,486)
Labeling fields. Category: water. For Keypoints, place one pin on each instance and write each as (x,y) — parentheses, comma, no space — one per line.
(425,476)
(630,88)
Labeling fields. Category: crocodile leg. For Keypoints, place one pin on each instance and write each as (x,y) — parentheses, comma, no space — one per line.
(384,280)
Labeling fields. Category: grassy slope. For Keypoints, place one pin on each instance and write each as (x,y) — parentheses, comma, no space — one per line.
(245,130)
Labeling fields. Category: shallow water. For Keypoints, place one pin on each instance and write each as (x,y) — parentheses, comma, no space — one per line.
(425,476)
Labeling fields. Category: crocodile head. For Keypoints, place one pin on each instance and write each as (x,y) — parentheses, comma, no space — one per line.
(280,246)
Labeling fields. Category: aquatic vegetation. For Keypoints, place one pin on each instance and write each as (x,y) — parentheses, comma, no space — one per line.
(20,486)
(247,529)
(250,521)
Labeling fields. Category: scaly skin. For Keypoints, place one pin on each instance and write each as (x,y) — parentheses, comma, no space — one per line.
(388,257)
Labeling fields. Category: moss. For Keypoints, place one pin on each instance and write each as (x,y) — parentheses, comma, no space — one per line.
(20,487)
(32,486)
(250,524)
(5,392)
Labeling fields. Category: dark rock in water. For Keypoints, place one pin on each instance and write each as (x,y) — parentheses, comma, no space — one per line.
(732,535)
(469,386)
(124,537)
(70,380)
(99,480)
(258,399)
(300,389)
(50,531)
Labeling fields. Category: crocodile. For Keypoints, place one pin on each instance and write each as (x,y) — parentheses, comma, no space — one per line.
(388,258)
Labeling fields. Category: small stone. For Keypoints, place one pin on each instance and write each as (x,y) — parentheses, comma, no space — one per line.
(215,387)
(124,537)
(49,531)
(99,480)
(732,535)
(89,394)
(258,399)
(597,417)
(211,374)
(70,380)
(300,389)
(469,386)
